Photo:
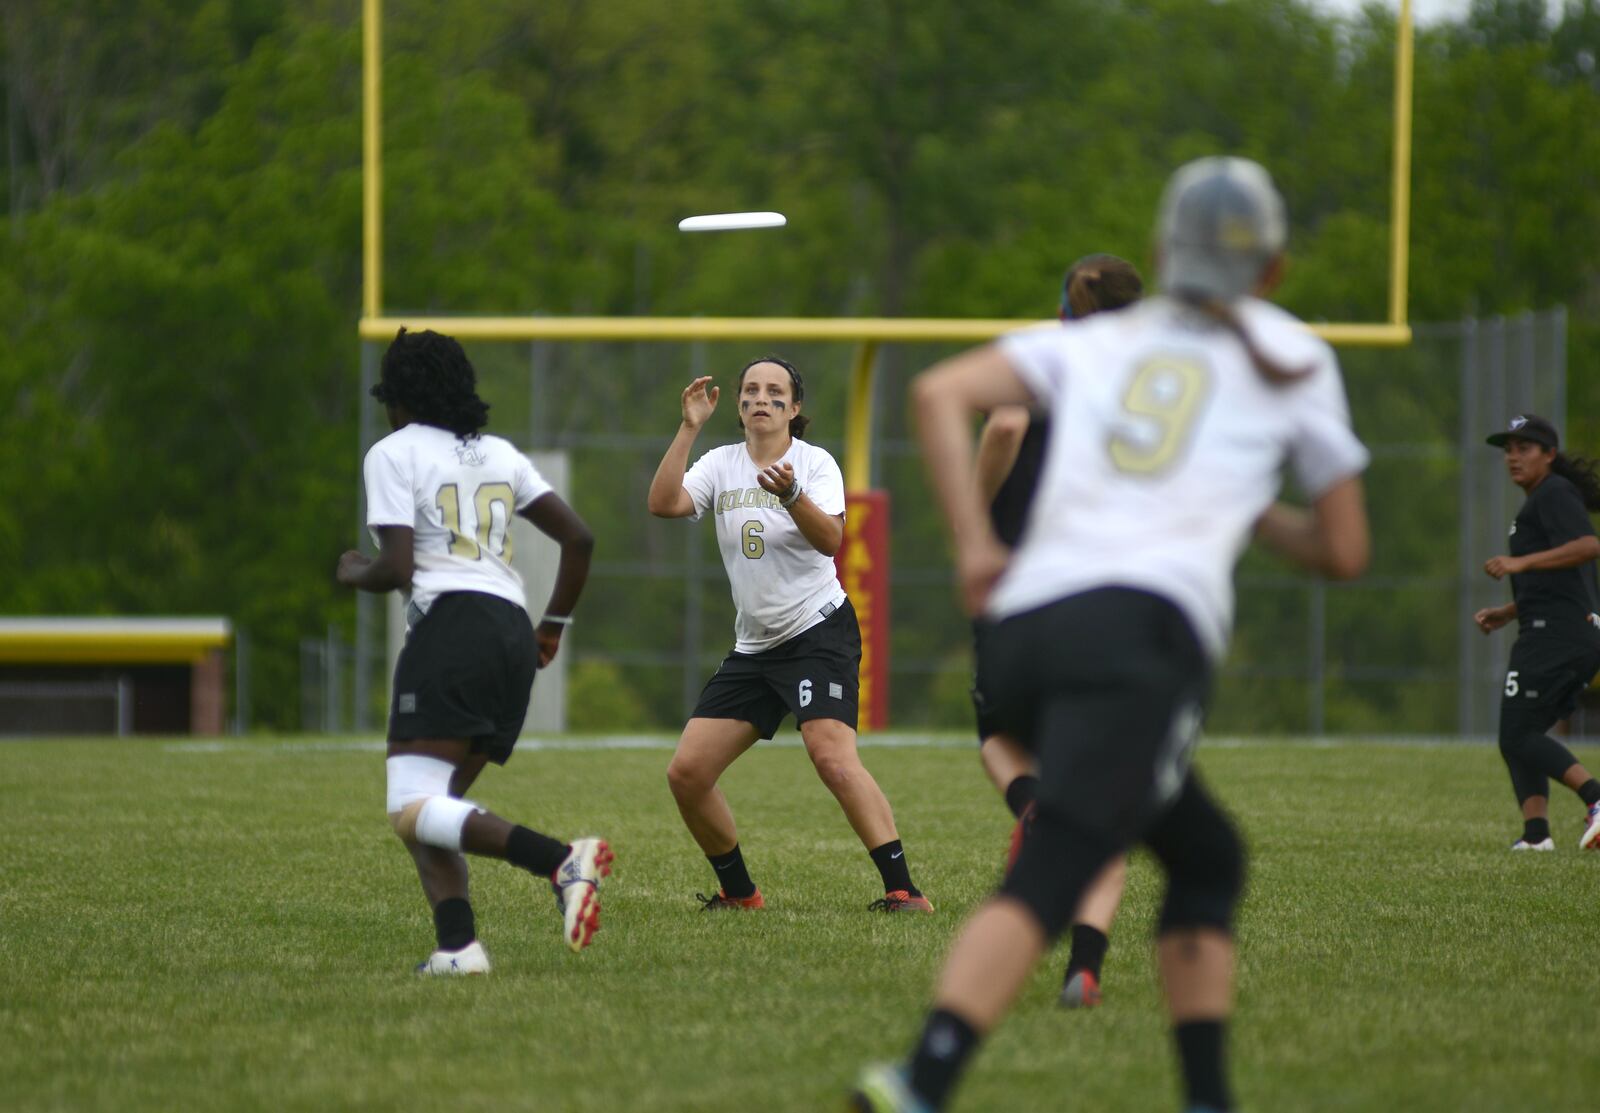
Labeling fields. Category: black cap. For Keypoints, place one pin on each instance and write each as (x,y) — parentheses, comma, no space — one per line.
(1527,427)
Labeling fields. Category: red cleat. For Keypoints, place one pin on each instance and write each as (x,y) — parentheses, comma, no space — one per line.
(901,901)
(1081,991)
(723,900)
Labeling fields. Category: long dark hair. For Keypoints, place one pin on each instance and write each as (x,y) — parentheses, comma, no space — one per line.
(1581,473)
(797,423)
(1098,282)
(1223,313)
(429,375)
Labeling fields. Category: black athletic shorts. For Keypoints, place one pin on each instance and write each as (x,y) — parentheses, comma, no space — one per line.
(1547,675)
(1107,689)
(816,675)
(466,672)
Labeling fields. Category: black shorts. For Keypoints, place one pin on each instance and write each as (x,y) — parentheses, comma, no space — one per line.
(1546,676)
(466,672)
(816,674)
(1106,688)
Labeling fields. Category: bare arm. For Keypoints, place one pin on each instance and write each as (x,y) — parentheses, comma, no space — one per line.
(388,571)
(667,497)
(998,446)
(1578,551)
(1331,538)
(944,399)
(825,531)
(1491,619)
(552,517)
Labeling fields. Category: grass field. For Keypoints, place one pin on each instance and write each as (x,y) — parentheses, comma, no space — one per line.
(186,926)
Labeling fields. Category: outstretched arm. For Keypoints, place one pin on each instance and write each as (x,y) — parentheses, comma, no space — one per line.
(388,571)
(552,517)
(667,497)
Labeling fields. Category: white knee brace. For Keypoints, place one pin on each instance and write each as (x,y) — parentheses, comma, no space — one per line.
(420,806)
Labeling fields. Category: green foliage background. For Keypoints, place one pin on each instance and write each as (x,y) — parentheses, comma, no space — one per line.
(180,266)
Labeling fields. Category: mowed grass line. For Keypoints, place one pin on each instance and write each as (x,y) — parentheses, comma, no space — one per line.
(235,930)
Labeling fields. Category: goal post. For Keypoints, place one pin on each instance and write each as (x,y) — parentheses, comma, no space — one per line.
(861,548)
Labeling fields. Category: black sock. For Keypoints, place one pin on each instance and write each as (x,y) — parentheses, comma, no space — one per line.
(1589,792)
(1088,950)
(1536,830)
(1021,792)
(1200,1052)
(452,923)
(732,877)
(536,853)
(947,1043)
(890,858)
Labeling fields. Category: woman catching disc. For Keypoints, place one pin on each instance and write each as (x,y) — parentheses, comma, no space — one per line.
(779,508)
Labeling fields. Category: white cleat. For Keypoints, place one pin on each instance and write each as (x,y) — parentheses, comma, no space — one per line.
(1591,834)
(577,882)
(885,1089)
(471,959)
(1542,844)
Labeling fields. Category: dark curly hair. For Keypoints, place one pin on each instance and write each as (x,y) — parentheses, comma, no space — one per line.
(429,375)
(797,423)
(1580,471)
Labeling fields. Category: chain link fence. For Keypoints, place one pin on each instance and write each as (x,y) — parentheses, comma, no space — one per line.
(1393,653)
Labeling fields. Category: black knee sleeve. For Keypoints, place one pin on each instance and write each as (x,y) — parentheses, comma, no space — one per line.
(1059,858)
(1526,780)
(1204,859)
(1531,755)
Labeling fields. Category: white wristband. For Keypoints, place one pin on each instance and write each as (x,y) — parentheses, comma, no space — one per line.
(557,619)
(793,496)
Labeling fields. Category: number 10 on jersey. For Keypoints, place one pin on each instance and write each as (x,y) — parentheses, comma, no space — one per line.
(491,504)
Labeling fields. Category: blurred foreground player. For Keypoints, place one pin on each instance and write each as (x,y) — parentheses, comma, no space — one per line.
(1172,421)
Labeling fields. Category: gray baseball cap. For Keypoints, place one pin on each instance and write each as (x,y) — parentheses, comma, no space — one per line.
(1222,220)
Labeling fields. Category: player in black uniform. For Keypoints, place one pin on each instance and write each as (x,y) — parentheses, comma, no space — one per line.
(1010,455)
(1554,600)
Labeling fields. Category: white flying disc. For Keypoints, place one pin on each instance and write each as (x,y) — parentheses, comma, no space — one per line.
(731,222)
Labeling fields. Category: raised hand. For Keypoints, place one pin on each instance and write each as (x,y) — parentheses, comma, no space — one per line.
(699,402)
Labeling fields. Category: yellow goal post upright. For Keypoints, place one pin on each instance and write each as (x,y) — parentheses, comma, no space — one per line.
(866,332)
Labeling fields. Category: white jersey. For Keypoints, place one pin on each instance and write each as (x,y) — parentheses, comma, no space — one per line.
(1166,446)
(458,497)
(780,582)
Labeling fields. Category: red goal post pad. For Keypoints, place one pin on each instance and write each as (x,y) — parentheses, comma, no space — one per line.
(863,564)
